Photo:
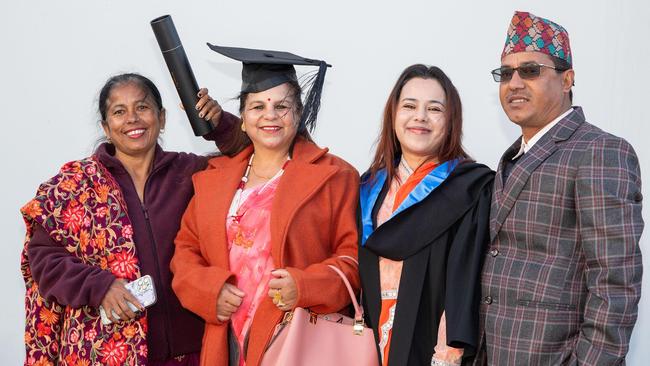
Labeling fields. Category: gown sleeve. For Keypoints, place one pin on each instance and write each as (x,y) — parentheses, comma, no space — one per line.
(445,355)
(463,274)
(227,133)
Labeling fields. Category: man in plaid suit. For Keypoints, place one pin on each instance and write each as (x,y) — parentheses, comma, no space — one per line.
(562,275)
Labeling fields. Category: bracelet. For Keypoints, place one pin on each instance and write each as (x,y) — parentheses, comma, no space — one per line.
(436,362)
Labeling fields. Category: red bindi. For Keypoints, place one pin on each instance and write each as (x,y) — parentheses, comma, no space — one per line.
(269,99)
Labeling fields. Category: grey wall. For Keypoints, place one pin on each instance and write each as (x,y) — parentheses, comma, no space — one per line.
(56,55)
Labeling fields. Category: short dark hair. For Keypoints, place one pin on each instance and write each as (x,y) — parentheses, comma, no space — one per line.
(562,66)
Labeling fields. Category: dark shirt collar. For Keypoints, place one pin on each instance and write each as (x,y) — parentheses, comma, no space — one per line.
(106,155)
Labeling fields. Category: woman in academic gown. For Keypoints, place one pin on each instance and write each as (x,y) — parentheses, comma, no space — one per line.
(424,226)
(267,219)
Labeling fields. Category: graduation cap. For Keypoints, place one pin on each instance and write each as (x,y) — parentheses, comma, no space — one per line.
(264,69)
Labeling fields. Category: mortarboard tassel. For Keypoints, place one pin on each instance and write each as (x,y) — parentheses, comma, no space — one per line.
(312,100)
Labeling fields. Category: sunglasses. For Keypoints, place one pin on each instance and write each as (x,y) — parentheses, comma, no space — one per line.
(526,71)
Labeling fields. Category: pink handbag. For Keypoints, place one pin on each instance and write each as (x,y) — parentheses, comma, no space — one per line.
(306,338)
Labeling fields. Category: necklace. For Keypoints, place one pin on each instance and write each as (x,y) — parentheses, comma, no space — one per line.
(245,237)
(406,167)
(237,199)
(259,175)
(264,176)
(232,212)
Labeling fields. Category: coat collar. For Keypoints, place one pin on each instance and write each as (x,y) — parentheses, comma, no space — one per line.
(506,193)
(303,150)
(105,153)
(302,178)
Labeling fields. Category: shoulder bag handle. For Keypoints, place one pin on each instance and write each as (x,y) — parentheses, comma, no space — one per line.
(358,311)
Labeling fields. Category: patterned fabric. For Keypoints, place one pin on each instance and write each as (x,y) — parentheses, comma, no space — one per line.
(249,245)
(390,271)
(83,210)
(528,32)
(192,359)
(562,277)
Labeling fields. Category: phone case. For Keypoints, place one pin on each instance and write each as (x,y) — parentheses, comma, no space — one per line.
(142,289)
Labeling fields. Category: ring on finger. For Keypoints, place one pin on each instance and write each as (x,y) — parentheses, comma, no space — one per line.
(277,298)
(115,315)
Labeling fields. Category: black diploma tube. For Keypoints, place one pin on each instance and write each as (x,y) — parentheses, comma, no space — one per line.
(179,66)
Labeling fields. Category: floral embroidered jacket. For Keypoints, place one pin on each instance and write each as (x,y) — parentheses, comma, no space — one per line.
(83,210)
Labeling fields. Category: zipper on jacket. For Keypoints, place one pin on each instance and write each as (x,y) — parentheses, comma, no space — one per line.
(165,302)
(160,296)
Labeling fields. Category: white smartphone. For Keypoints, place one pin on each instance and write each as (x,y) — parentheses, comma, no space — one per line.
(142,289)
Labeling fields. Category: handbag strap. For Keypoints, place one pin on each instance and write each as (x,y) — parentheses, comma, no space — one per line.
(358,311)
(361,289)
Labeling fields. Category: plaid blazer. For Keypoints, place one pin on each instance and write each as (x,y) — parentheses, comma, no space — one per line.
(562,275)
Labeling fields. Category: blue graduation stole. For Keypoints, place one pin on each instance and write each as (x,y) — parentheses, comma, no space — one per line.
(371,189)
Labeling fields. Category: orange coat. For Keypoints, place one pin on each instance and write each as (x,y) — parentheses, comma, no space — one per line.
(313,222)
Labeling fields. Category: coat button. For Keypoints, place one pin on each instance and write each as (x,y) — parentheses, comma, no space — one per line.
(494,252)
(487,300)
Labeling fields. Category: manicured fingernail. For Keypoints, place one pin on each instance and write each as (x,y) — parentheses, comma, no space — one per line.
(201,115)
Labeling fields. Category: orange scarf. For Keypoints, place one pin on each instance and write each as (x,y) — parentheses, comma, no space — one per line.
(412,181)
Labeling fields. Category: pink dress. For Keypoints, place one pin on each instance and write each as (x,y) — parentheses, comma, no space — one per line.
(249,244)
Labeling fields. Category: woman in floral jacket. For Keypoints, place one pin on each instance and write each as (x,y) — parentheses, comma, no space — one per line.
(104,221)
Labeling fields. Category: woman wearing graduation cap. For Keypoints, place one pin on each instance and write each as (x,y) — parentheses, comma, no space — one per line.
(424,226)
(268,218)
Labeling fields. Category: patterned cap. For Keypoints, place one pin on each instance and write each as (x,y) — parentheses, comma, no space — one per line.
(528,32)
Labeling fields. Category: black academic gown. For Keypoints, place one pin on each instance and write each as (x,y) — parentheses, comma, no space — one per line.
(441,240)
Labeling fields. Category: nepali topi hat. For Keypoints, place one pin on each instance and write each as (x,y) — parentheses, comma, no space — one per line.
(528,32)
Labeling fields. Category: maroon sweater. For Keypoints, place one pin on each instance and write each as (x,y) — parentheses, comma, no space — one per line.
(172,330)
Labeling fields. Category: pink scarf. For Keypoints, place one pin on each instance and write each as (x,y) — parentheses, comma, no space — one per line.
(249,244)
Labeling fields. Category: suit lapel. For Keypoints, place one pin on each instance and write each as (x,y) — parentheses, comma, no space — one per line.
(519,177)
(506,196)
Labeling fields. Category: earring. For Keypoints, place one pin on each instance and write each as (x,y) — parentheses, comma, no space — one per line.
(108,139)
(162,130)
(243,128)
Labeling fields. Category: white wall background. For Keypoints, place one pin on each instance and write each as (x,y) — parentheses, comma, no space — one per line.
(55,56)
